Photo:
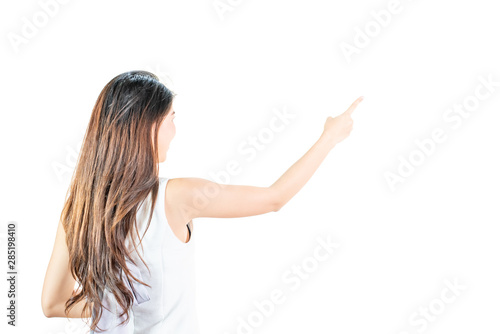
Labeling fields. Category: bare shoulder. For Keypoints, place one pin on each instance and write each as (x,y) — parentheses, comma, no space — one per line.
(177,190)
(178,200)
(178,210)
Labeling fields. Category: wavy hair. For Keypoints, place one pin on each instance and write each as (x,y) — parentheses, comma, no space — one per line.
(117,169)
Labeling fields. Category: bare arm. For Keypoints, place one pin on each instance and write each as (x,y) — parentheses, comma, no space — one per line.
(301,171)
(198,197)
(335,130)
(59,284)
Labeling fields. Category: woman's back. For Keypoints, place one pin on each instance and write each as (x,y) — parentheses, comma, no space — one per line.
(169,305)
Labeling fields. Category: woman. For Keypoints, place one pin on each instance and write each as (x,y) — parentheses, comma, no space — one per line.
(130,281)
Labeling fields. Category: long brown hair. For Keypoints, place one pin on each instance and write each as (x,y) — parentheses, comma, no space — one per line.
(117,169)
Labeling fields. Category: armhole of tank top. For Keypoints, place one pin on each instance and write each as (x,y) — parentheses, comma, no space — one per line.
(163,196)
(163,207)
(163,199)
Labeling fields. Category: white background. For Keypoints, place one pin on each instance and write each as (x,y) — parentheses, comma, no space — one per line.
(231,73)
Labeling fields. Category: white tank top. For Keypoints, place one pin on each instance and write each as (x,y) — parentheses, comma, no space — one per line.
(169,305)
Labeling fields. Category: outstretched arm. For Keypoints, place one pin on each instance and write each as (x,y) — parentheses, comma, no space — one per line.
(301,171)
(335,130)
(197,197)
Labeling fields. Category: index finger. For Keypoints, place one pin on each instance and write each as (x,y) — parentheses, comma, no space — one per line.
(354,105)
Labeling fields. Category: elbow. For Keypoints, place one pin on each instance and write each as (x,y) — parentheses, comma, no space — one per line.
(276,200)
(48,309)
(277,206)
